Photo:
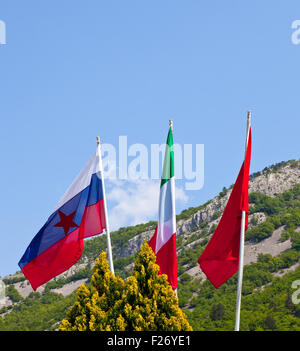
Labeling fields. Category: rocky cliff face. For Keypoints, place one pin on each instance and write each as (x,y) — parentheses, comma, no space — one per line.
(268,183)
(134,244)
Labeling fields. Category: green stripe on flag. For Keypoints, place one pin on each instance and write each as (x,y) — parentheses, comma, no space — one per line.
(168,169)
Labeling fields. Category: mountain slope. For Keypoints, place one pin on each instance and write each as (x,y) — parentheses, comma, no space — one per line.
(271,258)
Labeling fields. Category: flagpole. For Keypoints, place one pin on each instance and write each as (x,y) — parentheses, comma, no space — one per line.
(171,126)
(110,259)
(242,245)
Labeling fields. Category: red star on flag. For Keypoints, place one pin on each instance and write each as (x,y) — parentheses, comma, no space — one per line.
(66,221)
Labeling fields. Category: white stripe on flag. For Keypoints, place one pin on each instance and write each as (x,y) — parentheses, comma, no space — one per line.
(166,216)
(82,181)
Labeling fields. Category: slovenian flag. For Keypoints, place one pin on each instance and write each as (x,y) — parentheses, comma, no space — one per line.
(163,242)
(78,215)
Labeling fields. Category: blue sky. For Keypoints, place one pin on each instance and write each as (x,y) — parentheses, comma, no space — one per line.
(71,70)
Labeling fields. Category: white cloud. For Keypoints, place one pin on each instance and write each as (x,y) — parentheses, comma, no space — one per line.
(135,202)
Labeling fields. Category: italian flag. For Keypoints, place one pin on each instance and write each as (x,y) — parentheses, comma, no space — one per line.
(163,242)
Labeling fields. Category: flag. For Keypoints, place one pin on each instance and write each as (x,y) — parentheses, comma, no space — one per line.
(163,242)
(220,259)
(78,215)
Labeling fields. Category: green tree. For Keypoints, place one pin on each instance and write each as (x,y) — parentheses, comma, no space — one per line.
(289,304)
(145,301)
(295,238)
(13,293)
(270,322)
(217,312)
(94,308)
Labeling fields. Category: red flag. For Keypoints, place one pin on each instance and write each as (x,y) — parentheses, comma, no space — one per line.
(220,259)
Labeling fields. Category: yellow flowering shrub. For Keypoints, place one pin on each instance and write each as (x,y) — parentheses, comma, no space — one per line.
(145,301)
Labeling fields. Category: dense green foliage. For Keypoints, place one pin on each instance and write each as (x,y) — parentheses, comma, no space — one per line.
(266,294)
(37,312)
(13,280)
(283,210)
(13,293)
(258,308)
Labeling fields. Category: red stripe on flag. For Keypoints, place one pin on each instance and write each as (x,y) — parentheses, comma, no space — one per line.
(94,220)
(166,258)
(55,260)
(67,251)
